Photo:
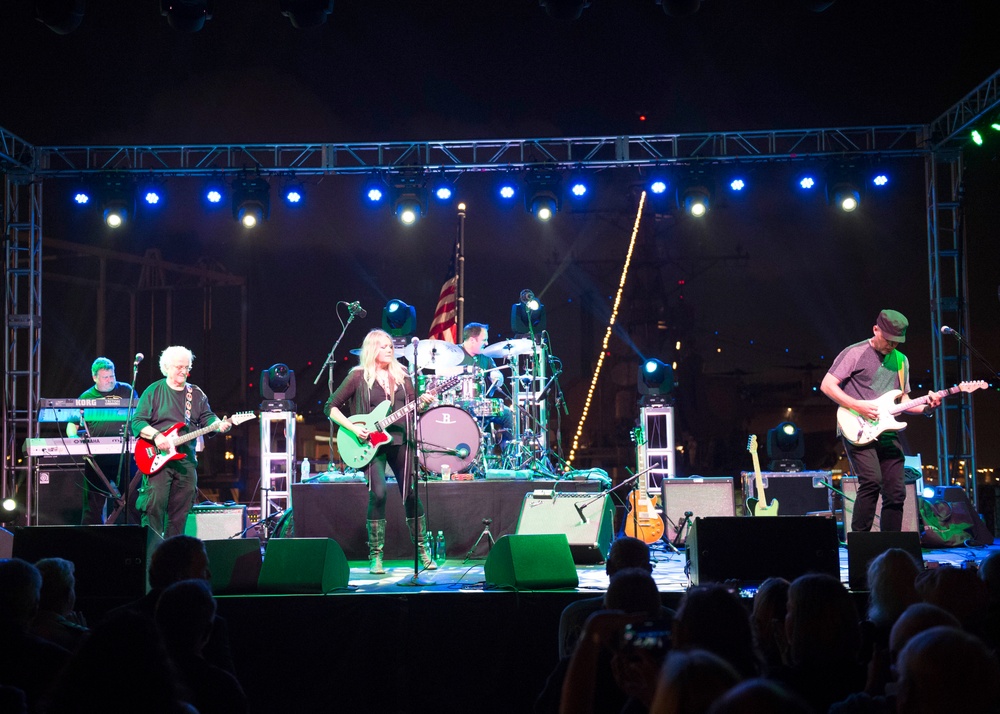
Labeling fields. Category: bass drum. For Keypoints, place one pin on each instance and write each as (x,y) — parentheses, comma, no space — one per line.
(447,436)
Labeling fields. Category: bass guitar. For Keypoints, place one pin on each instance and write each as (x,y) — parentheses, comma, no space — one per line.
(149,459)
(356,453)
(860,431)
(759,506)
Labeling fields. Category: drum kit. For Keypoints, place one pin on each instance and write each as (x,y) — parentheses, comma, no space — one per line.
(462,430)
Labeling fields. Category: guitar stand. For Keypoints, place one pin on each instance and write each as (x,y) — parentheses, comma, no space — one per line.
(485,534)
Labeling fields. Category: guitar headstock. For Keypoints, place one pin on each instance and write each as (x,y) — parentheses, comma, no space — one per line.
(752,443)
(973,386)
(242,417)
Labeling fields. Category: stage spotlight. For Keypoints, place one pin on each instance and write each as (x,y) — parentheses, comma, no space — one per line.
(151,192)
(443,189)
(695,201)
(541,195)
(375,190)
(846,197)
(60,16)
(843,186)
(564,9)
(306,13)
(294,193)
(186,15)
(81,193)
(251,201)
(507,188)
(277,388)
(118,200)
(399,319)
(880,179)
(11,510)
(655,378)
(527,317)
(408,209)
(409,196)
(785,447)
(215,190)
(737,184)
(658,186)
(977,137)
(679,8)
(807,182)
(579,186)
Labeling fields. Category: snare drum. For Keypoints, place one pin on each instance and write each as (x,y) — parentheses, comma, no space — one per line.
(447,435)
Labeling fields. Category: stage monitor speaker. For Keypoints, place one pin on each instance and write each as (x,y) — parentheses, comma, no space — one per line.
(950,520)
(6,543)
(589,535)
(215,522)
(303,565)
(235,565)
(863,547)
(749,550)
(111,561)
(849,485)
(702,497)
(531,562)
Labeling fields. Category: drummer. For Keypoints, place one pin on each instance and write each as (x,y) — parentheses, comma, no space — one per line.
(475,337)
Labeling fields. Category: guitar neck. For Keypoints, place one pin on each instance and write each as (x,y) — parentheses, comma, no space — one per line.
(403,411)
(198,432)
(758,479)
(899,408)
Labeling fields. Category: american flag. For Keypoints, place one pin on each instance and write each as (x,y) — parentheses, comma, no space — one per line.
(445,324)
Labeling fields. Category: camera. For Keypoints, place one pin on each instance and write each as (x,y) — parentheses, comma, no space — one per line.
(652,637)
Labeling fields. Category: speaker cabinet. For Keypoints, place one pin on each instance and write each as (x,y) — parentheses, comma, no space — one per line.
(6,543)
(864,546)
(588,528)
(303,565)
(798,492)
(849,485)
(235,565)
(110,561)
(750,550)
(214,522)
(532,562)
(702,497)
(59,496)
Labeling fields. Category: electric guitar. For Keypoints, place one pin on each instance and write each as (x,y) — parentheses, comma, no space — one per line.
(356,453)
(759,506)
(149,459)
(643,521)
(860,431)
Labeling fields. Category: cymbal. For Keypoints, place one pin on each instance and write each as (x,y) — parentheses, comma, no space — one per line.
(509,348)
(357,351)
(435,353)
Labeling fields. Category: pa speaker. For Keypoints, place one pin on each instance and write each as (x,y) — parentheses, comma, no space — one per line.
(588,527)
(701,497)
(863,547)
(59,496)
(531,562)
(110,561)
(235,565)
(213,522)
(750,550)
(303,565)
(849,485)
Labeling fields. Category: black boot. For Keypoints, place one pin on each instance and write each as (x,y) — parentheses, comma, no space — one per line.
(418,535)
(376,543)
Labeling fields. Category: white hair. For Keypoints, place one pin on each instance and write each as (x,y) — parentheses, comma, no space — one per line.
(173,353)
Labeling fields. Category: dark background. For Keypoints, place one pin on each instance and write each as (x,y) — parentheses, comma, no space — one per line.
(761,295)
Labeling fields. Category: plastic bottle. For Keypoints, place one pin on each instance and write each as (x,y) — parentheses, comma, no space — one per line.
(305,470)
(440,550)
(445,472)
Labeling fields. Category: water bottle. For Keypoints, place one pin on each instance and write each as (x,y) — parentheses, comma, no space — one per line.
(445,472)
(305,470)
(440,550)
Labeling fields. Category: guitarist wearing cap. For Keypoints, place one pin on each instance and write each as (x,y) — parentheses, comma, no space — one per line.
(860,375)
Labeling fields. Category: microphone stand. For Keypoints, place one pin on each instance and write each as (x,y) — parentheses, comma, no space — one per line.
(329,364)
(412,439)
(125,457)
(968,345)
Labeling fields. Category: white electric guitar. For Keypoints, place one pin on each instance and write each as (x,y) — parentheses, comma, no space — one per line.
(859,431)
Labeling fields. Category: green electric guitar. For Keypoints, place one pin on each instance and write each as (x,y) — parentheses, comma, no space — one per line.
(759,506)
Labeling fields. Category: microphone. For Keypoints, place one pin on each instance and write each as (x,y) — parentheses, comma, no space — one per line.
(688,514)
(579,509)
(462,451)
(139,357)
(945,330)
(355,309)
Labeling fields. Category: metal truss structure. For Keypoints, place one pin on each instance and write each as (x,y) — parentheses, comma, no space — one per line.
(26,167)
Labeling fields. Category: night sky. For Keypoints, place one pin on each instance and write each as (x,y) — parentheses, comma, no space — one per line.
(761,295)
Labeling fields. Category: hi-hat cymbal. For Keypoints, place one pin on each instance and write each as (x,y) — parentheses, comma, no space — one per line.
(509,348)
(435,353)
(357,351)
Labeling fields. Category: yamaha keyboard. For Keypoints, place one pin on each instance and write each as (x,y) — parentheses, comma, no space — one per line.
(98,446)
(63,410)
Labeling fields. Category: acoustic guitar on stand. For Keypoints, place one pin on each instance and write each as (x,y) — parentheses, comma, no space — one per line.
(860,431)
(149,459)
(759,506)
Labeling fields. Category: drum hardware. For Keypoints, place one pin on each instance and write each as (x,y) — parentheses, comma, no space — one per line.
(485,534)
(447,435)
(509,348)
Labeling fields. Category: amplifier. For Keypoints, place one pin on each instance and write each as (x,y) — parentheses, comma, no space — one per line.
(799,493)
(215,522)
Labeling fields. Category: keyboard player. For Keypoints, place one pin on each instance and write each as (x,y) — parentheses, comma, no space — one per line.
(97,503)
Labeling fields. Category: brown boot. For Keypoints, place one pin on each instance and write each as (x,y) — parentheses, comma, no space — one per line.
(418,534)
(376,542)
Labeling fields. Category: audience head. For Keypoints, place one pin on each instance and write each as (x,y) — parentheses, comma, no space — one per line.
(690,681)
(20,589)
(946,669)
(915,619)
(767,619)
(759,695)
(822,624)
(989,573)
(957,590)
(178,558)
(627,552)
(891,580)
(713,618)
(58,592)
(185,612)
(633,590)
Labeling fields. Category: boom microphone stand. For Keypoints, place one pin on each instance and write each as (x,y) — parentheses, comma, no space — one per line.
(412,440)
(329,363)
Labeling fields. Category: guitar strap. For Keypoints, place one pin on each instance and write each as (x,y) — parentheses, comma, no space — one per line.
(188,401)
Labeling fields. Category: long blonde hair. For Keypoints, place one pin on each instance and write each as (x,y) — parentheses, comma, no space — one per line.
(366,359)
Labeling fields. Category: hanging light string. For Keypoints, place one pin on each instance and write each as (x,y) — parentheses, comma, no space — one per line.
(607,333)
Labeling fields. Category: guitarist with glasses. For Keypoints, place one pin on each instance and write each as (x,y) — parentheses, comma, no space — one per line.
(862,374)
(377,380)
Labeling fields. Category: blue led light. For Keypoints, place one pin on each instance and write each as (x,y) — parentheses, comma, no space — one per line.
(658,186)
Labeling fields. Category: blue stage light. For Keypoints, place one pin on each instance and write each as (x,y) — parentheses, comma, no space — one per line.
(151,196)
(881,179)
(658,186)
(578,189)
(81,198)
(737,184)
(508,190)
(213,195)
(443,193)
(807,182)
